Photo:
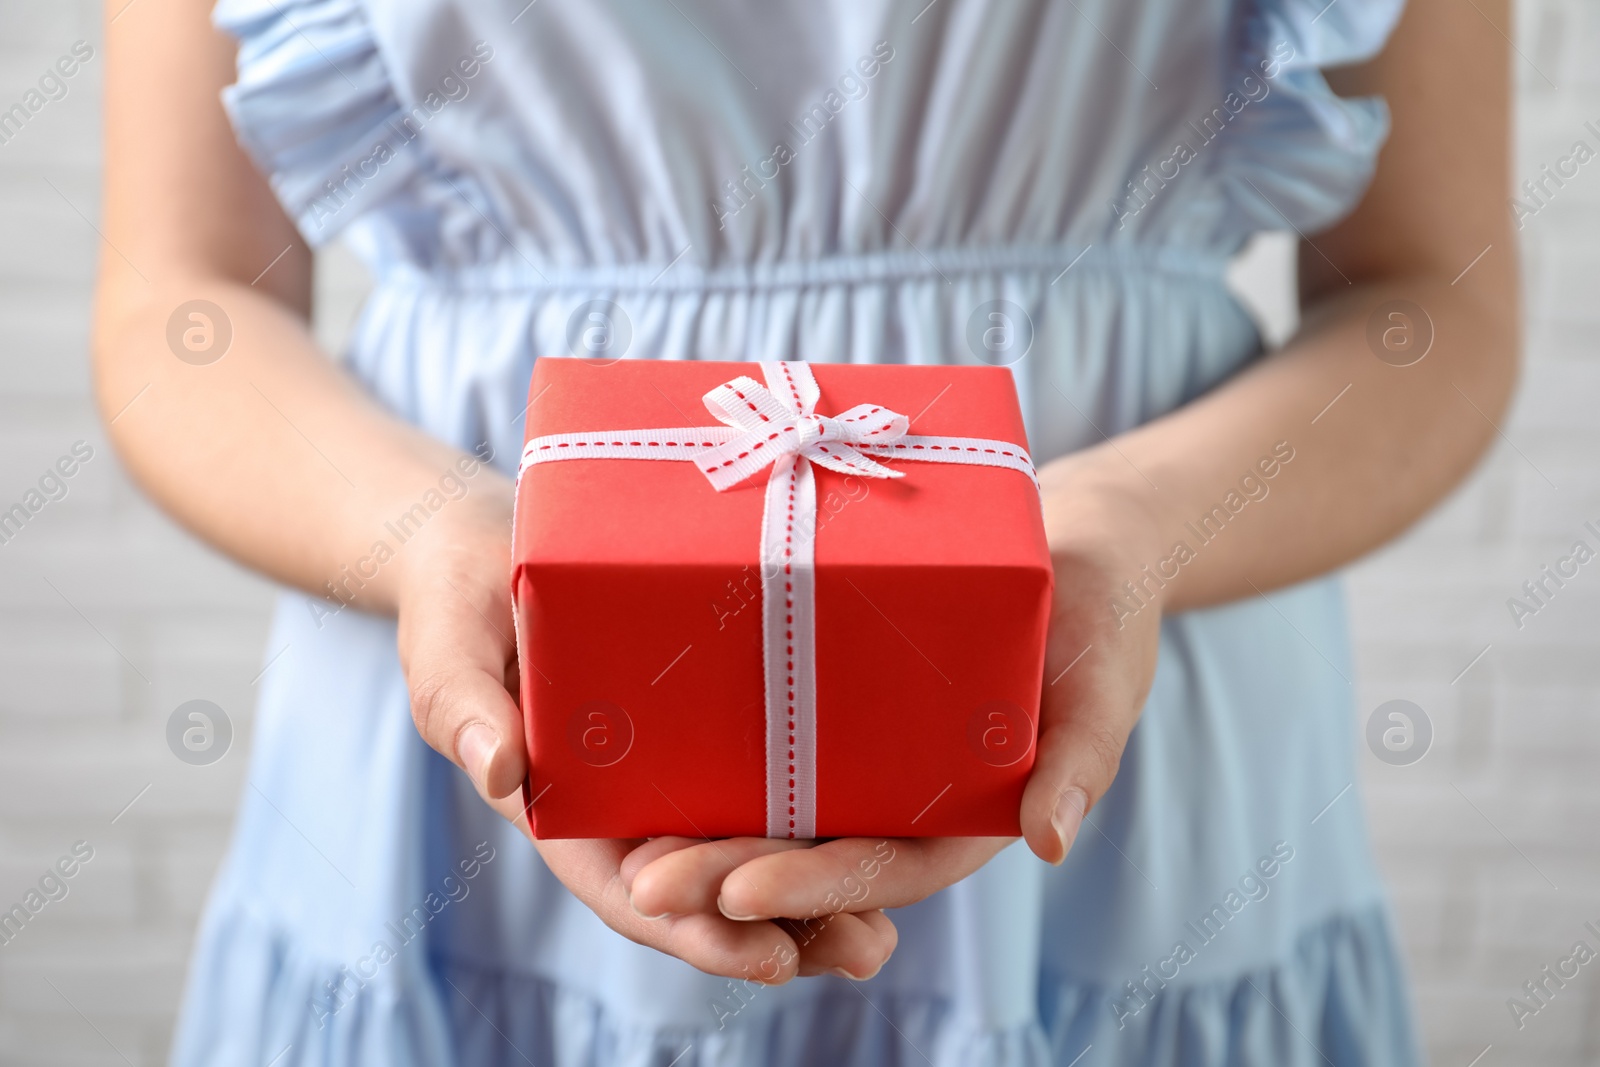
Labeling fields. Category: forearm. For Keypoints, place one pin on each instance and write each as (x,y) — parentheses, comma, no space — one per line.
(268,450)
(1225,514)
(271,452)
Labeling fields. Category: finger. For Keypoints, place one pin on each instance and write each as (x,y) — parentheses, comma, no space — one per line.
(851,946)
(657,847)
(686,880)
(456,672)
(468,716)
(1083,730)
(651,850)
(852,875)
(760,952)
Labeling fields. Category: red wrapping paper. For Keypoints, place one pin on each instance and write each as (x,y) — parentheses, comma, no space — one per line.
(639,631)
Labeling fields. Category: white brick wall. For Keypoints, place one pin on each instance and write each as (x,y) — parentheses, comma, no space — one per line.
(1518,734)
(141,618)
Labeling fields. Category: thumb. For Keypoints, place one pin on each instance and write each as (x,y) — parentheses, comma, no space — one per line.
(457,666)
(1082,733)
(468,716)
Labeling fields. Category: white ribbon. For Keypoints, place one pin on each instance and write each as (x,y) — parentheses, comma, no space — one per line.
(776,425)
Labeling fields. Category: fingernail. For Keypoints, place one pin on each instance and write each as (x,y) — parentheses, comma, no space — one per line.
(642,915)
(842,973)
(730,915)
(1067,818)
(477,747)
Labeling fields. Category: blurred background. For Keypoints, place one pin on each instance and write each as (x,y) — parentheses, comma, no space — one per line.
(111,618)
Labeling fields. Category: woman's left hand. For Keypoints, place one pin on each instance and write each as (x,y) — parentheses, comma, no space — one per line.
(1098,667)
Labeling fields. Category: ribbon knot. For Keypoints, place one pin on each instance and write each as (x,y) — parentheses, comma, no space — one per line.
(775,424)
(815,429)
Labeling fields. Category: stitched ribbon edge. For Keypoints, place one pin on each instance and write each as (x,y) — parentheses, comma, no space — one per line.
(680,443)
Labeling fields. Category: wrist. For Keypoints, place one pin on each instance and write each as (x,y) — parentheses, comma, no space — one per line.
(1101,518)
(467,543)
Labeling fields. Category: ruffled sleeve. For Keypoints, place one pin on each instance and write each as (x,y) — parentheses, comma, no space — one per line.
(1302,155)
(315,108)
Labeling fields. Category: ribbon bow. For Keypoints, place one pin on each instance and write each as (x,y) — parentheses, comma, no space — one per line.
(778,426)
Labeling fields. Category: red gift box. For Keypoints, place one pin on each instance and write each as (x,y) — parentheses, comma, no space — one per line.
(639,606)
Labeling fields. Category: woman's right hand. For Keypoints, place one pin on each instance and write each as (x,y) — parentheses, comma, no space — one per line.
(185,202)
(457,647)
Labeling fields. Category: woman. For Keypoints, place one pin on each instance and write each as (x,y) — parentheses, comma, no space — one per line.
(844,181)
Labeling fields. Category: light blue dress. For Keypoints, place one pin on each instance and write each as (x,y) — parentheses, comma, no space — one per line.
(849,180)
